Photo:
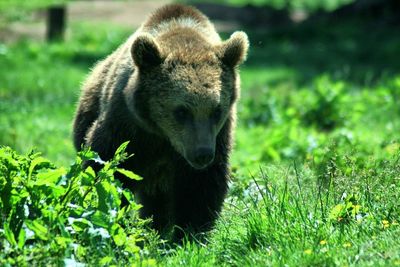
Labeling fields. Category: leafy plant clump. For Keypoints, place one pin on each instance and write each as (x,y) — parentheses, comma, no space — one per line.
(56,216)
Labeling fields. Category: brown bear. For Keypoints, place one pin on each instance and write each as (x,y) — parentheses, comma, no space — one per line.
(171,90)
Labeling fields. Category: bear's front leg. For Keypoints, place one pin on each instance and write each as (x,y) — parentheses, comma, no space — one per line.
(155,206)
(199,196)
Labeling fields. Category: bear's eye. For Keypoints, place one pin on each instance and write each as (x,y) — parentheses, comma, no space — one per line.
(216,115)
(182,114)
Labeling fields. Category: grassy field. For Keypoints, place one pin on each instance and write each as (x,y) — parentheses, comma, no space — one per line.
(316,164)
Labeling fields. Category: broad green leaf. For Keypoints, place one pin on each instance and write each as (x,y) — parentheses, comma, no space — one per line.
(103,194)
(9,234)
(131,244)
(118,235)
(108,197)
(62,241)
(337,212)
(129,174)
(80,224)
(100,219)
(21,238)
(87,154)
(35,162)
(7,159)
(88,177)
(129,196)
(122,148)
(50,177)
(38,228)
(89,170)
(106,261)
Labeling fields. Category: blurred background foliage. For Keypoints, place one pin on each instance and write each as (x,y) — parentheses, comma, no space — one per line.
(280,4)
(309,5)
(29,4)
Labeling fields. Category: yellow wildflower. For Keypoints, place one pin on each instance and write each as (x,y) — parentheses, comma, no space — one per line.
(385,224)
(322,242)
(347,245)
(308,251)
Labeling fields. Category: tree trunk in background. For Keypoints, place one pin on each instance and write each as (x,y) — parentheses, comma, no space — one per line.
(56,17)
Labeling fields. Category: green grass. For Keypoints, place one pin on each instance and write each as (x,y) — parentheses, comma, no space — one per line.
(316,163)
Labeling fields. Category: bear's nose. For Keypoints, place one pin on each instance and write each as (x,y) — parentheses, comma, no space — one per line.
(204,156)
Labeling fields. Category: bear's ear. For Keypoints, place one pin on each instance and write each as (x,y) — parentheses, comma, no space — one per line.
(234,50)
(145,51)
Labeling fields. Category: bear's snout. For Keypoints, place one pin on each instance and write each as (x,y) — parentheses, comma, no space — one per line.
(202,157)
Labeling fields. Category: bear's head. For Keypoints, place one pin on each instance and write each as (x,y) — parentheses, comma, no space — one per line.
(186,92)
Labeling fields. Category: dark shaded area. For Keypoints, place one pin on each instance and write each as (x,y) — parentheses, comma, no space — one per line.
(386,10)
(359,50)
(269,16)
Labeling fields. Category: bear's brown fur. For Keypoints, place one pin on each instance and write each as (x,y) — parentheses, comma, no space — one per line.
(171,90)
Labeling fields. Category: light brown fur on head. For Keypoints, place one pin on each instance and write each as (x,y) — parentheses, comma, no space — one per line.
(186,67)
(184,33)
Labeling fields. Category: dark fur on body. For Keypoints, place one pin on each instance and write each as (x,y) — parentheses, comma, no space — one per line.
(121,95)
